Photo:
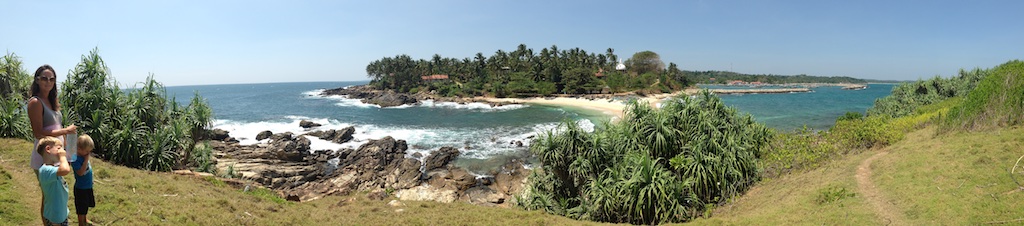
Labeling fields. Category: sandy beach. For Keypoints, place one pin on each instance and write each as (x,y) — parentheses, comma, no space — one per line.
(608,106)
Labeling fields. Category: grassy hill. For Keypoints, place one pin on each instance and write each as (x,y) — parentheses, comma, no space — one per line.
(127,196)
(926,179)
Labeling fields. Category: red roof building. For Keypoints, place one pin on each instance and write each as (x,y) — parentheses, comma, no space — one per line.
(434,77)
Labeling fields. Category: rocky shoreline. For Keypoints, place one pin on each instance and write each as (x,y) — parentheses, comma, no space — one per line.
(284,163)
(390,98)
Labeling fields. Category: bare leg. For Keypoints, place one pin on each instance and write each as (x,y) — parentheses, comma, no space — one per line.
(41,217)
(82,221)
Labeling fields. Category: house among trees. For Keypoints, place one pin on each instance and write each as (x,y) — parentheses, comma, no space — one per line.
(736,83)
(434,78)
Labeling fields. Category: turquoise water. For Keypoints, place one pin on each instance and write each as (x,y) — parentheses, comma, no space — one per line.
(485,135)
(817,110)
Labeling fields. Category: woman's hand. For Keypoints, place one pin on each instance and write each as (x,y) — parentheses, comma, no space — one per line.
(71,129)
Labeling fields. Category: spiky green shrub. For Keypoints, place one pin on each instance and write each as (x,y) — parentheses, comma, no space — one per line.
(14,85)
(138,127)
(14,119)
(907,97)
(997,101)
(655,166)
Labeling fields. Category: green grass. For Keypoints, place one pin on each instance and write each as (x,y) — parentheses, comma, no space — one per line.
(127,196)
(949,179)
(793,199)
(997,101)
(954,179)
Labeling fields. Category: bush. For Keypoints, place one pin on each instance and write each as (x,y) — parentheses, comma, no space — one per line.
(907,97)
(138,127)
(14,88)
(655,166)
(997,101)
(800,149)
(850,116)
(14,119)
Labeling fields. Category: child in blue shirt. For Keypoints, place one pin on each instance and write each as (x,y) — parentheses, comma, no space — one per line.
(84,197)
(51,180)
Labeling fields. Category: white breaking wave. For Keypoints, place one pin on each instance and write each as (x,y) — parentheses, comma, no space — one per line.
(471,106)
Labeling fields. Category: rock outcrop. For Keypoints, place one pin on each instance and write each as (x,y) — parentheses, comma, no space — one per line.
(383,98)
(308,124)
(285,164)
(337,136)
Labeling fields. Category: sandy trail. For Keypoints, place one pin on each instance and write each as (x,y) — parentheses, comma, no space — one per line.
(885,210)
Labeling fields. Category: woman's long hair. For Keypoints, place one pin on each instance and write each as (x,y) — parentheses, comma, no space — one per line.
(53,92)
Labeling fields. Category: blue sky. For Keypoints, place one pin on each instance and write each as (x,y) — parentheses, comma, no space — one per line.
(222,42)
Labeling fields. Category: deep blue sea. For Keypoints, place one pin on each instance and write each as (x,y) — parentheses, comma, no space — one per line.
(485,135)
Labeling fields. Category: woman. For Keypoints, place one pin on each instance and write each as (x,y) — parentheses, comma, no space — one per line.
(44,114)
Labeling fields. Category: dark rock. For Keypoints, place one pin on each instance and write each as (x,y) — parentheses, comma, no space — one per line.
(391,99)
(219,134)
(519,143)
(292,197)
(384,98)
(285,146)
(264,135)
(417,155)
(440,158)
(337,136)
(485,181)
(307,124)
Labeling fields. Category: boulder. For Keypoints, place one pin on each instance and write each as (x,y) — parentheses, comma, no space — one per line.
(511,178)
(451,178)
(219,134)
(264,135)
(284,146)
(483,195)
(337,136)
(308,124)
(440,158)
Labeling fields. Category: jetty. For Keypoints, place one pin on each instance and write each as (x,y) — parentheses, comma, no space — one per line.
(854,86)
(753,91)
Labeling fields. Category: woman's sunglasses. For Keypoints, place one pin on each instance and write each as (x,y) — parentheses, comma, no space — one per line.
(44,78)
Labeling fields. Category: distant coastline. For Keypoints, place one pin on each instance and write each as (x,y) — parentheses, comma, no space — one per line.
(611,105)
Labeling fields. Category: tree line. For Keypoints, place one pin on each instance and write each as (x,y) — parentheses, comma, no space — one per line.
(722,77)
(525,72)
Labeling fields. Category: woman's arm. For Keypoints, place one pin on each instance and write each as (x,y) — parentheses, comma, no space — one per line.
(35,117)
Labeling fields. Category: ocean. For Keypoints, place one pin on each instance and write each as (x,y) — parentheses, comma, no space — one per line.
(485,135)
(817,110)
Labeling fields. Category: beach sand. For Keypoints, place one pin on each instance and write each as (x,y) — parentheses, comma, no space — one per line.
(610,107)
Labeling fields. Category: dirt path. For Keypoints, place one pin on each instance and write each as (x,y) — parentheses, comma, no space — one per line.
(889,214)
